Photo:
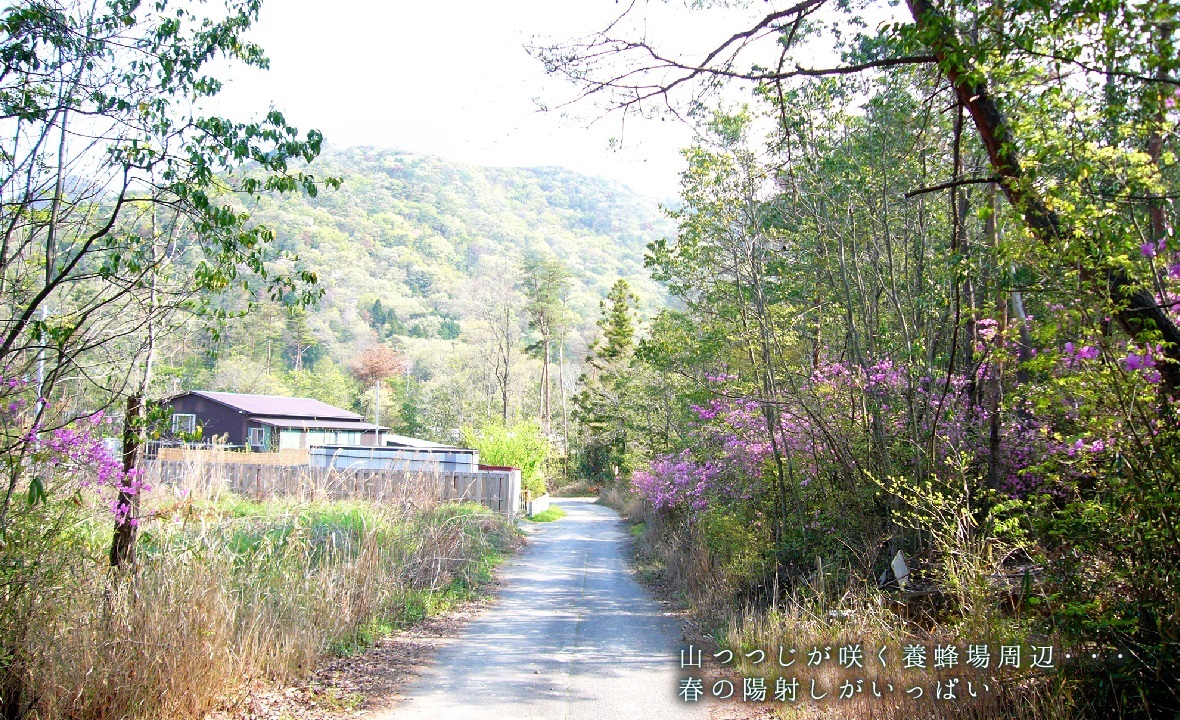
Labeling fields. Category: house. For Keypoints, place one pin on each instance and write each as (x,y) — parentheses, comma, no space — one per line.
(268,422)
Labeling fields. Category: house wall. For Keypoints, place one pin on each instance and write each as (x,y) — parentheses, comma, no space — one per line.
(298,438)
(283,438)
(214,418)
(268,435)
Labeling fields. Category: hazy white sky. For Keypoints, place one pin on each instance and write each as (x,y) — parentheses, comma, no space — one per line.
(453,79)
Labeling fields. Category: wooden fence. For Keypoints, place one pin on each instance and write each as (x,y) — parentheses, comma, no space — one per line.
(286,456)
(498,490)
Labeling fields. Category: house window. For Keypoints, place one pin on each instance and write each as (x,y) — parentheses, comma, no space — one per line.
(319,438)
(258,437)
(183,423)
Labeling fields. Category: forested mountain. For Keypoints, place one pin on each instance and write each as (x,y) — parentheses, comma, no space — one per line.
(413,251)
(413,231)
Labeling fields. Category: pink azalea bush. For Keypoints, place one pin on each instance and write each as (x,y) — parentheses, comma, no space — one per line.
(73,455)
(1045,447)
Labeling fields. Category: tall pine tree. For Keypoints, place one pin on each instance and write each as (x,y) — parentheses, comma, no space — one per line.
(545,282)
(602,408)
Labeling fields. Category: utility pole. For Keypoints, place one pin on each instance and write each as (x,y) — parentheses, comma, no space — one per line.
(378,413)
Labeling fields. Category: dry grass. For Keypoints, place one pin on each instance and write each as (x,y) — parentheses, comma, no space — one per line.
(864,620)
(674,554)
(627,503)
(226,592)
(816,615)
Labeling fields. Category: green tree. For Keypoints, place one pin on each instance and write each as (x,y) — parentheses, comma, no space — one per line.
(884,188)
(410,418)
(302,345)
(325,381)
(603,407)
(545,282)
(244,374)
(522,446)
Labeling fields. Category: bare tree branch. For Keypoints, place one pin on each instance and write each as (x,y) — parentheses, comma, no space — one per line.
(951,184)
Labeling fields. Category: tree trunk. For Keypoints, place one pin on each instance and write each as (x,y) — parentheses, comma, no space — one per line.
(1140,312)
(565,419)
(995,373)
(545,412)
(123,543)
(506,355)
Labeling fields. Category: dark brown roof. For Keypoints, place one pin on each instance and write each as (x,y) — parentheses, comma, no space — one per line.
(276,406)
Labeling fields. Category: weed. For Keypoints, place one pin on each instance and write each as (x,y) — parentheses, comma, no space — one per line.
(553,513)
(335,701)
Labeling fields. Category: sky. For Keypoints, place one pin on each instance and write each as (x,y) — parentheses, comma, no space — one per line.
(453,79)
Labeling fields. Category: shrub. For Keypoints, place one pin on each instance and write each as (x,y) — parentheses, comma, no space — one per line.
(522,445)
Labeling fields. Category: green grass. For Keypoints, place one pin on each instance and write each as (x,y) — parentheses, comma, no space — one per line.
(637,530)
(553,513)
(333,700)
(259,532)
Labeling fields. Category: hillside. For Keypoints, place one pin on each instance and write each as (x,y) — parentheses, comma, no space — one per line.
(409,251)
(413,231)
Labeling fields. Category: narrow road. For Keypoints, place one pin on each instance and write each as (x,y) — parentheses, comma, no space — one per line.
(572,636)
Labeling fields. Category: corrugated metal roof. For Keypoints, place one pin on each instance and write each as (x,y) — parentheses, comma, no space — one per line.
(276,406)
(392,444)
(314,424)
(412,442)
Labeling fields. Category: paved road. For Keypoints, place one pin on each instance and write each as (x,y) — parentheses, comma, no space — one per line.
(572,636)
